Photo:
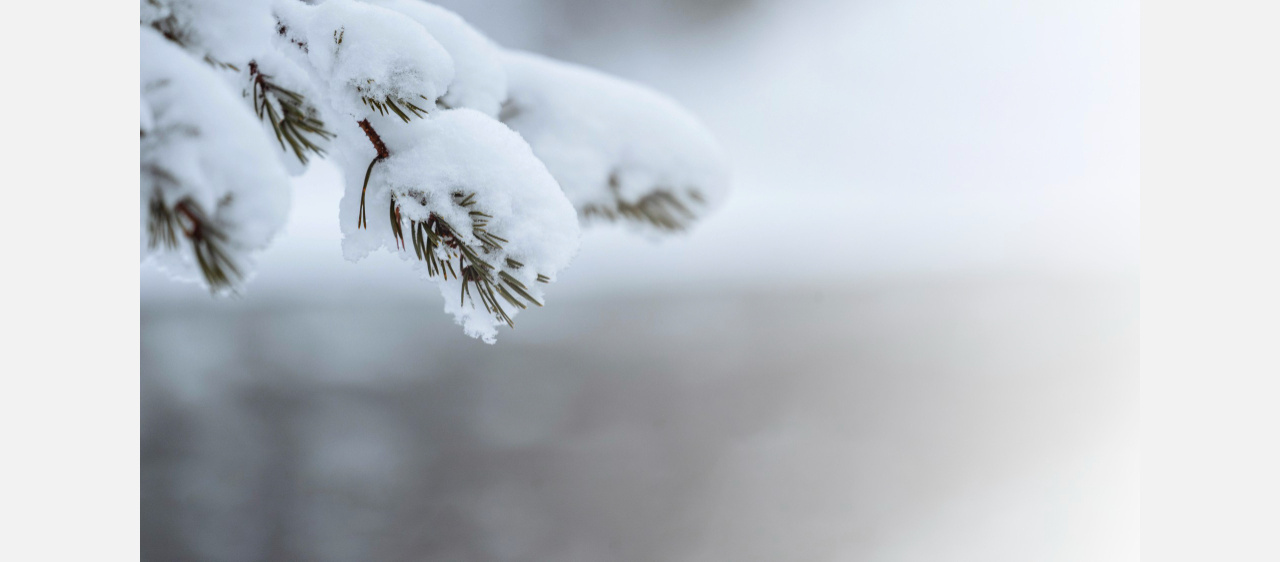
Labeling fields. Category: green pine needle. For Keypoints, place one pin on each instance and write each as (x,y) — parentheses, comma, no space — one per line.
(437,243)
(660,208)
(292,119)
(392,105)
(207,240)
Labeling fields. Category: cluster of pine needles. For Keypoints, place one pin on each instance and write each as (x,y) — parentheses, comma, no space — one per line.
(292,119)
(492,285)
(388,105)
(438,243)
(206,238)
(660,208)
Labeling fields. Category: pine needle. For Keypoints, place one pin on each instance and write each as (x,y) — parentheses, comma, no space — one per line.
(659,208)
(206,238)
(437,243)
(294,121)
(392,105)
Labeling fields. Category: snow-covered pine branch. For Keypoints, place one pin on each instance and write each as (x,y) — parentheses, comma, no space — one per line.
(619,150)
(212,189)
(471,162)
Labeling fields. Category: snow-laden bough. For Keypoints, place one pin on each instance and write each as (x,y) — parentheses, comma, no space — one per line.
(618,149)
(212,192)
(473,163)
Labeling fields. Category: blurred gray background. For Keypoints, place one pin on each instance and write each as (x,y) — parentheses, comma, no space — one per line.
(911,334)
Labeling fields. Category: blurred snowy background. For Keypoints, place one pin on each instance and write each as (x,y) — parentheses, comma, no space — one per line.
(911,334)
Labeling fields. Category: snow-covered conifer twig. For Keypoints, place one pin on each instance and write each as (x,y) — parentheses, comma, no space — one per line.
(291,117)
(488,157)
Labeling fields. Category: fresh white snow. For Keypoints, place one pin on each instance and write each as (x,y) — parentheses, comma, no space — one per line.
(201,146)
(362,51)
(473,163)
(479,81)
(608,141)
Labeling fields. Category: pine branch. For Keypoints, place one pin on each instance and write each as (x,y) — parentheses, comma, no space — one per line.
(208,241)
(659,208)
(283,30)
(160,226)
(437,243)
(172,30)
(292,118)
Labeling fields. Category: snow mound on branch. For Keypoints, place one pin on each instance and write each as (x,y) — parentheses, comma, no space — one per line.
(227,31)
(200,144)
(364,51)
(456,154)
(479,83)
(619,150)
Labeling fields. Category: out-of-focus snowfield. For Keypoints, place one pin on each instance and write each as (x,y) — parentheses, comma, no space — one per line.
(911,334)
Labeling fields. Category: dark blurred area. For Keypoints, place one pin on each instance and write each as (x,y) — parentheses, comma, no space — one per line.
(819,426)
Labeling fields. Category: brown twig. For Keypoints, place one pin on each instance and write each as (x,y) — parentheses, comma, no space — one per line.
(381,148)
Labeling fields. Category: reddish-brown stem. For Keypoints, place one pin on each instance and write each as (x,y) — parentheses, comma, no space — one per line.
(375,139)
(194,229)
(381,148)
